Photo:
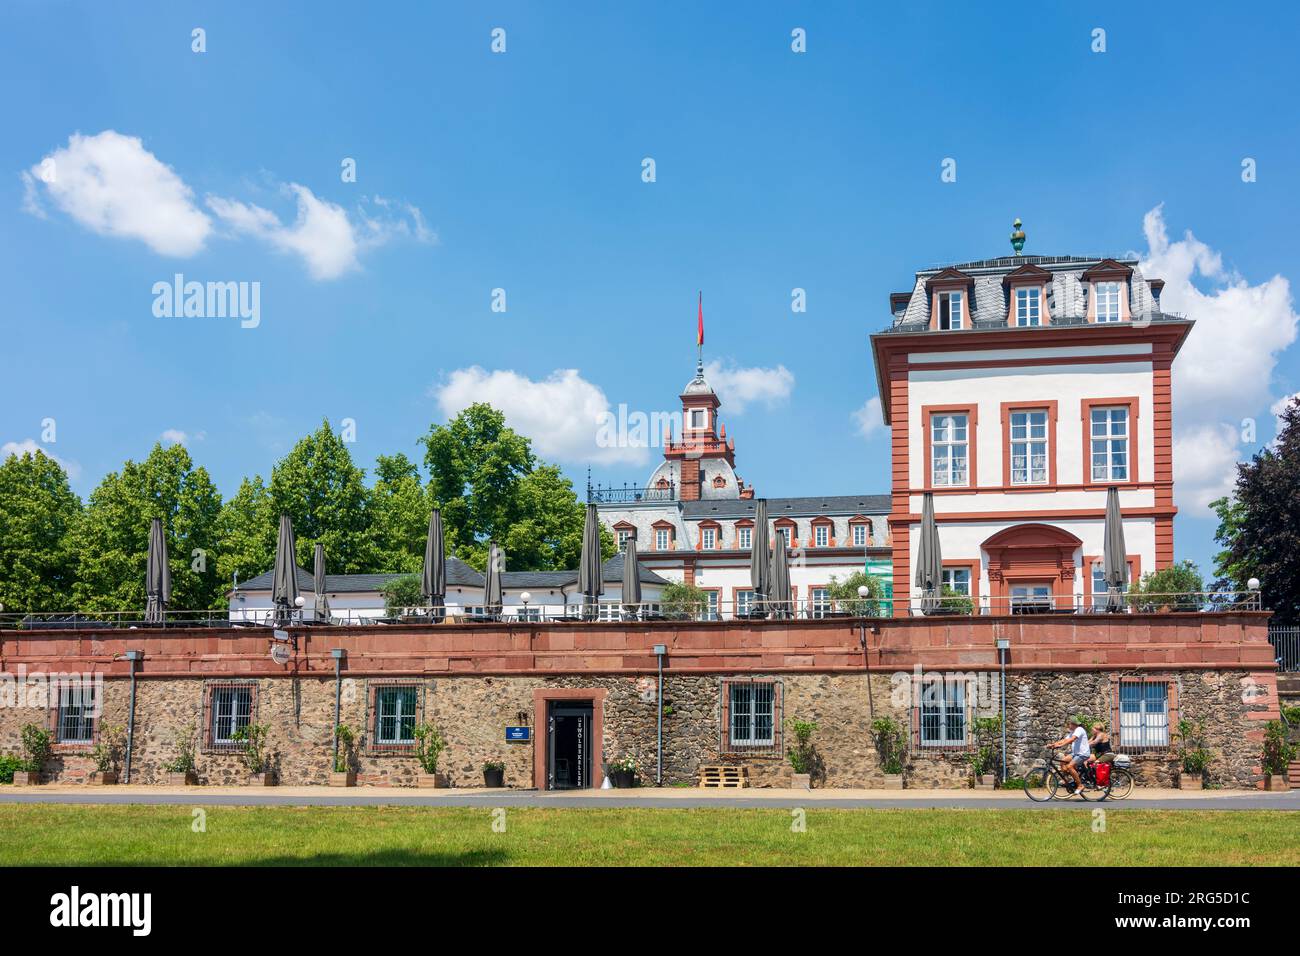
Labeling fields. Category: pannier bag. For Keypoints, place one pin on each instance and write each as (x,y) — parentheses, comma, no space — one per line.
(1123,760)
(1103,775)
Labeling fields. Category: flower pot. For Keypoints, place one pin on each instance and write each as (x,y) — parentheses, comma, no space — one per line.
(494,778)
(347,778)
(104,778)
(1191,781)
(264,779)
(801,781)
(27,778)
(1276,782)
(187,779)
(435,781)
(623,779)
(893,781)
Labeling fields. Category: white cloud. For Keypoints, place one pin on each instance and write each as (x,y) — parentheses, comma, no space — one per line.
(322,235)
(112,185)
(31,446)
(1224,372)
(175,436)
(562,414)
(868,419)
(737,387)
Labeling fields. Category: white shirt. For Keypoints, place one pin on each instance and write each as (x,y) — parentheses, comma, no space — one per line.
(1079,743)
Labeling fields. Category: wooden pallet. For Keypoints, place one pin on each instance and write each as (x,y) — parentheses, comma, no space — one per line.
(724,777)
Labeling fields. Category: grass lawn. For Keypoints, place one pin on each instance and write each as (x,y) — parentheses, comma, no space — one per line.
(51,834)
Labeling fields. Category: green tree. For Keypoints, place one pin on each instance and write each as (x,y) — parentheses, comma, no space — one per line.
(489,485)
(1259,526)
(246,529)
(399,515)
(112,538)
(845,594)
(37,514)
(324,493)
(1178,587)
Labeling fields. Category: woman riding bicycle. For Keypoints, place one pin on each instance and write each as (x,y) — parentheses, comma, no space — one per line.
(1100,744)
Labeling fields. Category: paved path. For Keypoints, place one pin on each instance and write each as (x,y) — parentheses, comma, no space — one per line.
(672,797)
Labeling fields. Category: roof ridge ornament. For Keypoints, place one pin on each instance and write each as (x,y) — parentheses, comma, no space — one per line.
(1017,237)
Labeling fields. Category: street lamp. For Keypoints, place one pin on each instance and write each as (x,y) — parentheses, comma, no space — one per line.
(1252,584)
(526,597)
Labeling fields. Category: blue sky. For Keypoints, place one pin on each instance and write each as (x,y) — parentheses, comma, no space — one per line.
(522,171)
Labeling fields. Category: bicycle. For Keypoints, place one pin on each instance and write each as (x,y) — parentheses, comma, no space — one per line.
(1048,780)
(1121,782)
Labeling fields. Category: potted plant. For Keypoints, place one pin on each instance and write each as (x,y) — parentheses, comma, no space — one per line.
(622,772)
(180,769)
(494,773)
(984,759)
(107,754)
(345,774)
(402,597)
(253,737)
(36,744)
(891,745)
(429,745)
(1278,753)
(802,756)
(1193,755)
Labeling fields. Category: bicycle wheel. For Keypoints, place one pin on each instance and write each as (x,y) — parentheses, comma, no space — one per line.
(1121,783)
(1040,784)
(1093,791)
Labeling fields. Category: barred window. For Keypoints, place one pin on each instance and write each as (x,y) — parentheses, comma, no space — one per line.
(752,714)
(943,713)
(1143,714)
(75,723)
(230,710)
(395,715)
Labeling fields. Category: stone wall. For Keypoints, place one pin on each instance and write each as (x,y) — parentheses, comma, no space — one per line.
(472,712)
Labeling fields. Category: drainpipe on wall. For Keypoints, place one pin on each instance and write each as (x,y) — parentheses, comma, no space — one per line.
(339,654)
(1004,648)
(661,651)
(132,657)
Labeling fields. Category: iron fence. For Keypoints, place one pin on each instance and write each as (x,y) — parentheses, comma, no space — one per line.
(1286,647)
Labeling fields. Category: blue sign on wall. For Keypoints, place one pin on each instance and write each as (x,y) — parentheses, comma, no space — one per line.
(518,734)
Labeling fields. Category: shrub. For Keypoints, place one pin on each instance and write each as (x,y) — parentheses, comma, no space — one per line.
(37,746)
(402,592)
(803,756)
(107,754)
(684,602)
(253,737)
(9,765)
(346,739)
(954,602)
(1192,751)
(984,758)
(429,745)
(1278,751)
(891,743)
(845,594)
(183,762)
(1176,588)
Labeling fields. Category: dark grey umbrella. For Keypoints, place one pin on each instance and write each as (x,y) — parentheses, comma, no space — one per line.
(284,580)
(589,576)
(318,584)
(158,575)
(434,583)
(631,580)
(779,593)
(760,568)
(929,559)
(1114,566)
(492,599)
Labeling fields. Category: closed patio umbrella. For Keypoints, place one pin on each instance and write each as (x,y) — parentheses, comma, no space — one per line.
(779,593)
(589,576)
(929,560)
(631,581)
(433,585)
(1114,567)
(760,568)
(492,600)
(318,584)
(284,579)
(158,575)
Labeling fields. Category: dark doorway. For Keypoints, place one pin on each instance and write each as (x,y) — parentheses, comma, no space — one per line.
(568,745)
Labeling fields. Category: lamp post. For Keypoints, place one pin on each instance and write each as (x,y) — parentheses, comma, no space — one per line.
(526,597)
(1004,648)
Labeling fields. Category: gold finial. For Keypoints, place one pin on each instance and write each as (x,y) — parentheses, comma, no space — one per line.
(1017,237)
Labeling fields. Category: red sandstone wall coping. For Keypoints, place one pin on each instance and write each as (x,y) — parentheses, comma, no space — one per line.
(1232,640)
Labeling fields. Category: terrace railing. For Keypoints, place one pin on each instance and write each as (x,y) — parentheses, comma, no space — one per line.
(630,494)
(1286,646)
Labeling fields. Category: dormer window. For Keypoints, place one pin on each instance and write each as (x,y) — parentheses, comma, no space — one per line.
(950,310)
(1108,301)
(1029,301)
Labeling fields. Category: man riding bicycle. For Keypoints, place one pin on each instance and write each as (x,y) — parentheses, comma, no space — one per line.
(1077,740)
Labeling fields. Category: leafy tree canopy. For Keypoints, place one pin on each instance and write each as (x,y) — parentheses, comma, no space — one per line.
(400,508)
(37,514)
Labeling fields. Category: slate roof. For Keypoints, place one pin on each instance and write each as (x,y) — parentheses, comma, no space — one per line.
(806,507)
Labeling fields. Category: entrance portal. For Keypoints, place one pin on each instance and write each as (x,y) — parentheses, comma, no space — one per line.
(568,744)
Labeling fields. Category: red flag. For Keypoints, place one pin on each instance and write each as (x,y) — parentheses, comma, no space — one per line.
(699,334)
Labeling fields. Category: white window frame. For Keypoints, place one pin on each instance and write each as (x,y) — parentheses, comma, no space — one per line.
(1029,307)
(1107,295)
(234,717)
(662,539)
(1099,589)
(950,299)
(859,535)
(1114,443)
(1026,419)
(744,538)
(819,602)
(75,717)
(623,537)
(396,715)
(952,577)
(752,714)
(942,713)
(1143,714)
(708,538)
(787,532)
(744,600)
(949,444)
(821,536)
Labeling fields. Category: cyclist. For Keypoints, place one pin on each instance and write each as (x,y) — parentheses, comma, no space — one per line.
(1100,743)
(1077,741)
